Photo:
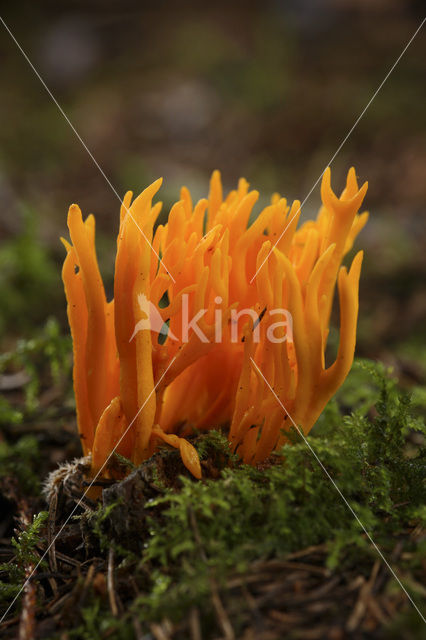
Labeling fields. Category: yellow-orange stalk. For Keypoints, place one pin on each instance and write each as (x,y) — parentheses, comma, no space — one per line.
(256,294)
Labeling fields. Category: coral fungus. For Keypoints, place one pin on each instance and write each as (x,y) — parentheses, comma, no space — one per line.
(201,306)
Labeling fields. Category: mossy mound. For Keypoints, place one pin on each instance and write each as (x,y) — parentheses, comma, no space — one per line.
(265,552)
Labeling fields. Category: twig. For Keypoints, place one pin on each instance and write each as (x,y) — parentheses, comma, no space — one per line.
(110,583)
(138,628)
(56,605)
(87,582)
(9,623)
(318,548)
(159,631)
(361,604)
(377,611)
(67,560)
(225,623)
(53,505)
(29,600)
(194,624)
(296,566)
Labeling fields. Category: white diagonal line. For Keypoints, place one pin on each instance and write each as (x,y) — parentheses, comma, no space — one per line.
(102,172)
(339,491)
(344,140)
(205,236)
(84,495)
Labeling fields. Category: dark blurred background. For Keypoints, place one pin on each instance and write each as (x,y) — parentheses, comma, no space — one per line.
(267,90)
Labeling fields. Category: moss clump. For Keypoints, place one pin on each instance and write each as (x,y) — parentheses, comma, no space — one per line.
(20,461)
(217,527)
(198,534)
(12,574)
(42,362)
(45,359)
(29,281)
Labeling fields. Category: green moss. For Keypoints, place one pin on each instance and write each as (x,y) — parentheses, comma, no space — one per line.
(21,461)
(29,280)
(217,527)
(45,360)
(46,355)
(210,530)
(25,546)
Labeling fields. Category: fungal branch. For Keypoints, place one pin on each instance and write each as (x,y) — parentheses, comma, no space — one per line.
(173,355)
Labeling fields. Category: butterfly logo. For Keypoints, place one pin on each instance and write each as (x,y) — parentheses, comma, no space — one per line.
(153,320)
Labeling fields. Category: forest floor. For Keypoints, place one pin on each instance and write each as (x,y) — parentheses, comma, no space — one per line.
(267,552)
